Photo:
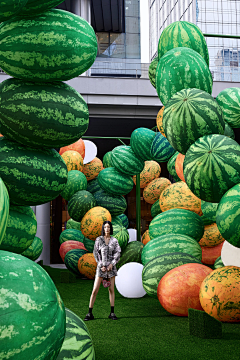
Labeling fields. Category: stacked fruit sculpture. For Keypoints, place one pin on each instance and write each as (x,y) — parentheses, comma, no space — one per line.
(40,48)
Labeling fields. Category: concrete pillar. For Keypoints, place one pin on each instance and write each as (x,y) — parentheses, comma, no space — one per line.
(85,10)
(76,7)
(43,231)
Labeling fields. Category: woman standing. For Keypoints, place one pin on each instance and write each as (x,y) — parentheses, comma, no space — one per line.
(106,253)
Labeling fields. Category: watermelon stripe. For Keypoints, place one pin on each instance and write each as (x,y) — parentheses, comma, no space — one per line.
(229,100)
(124,160)
(114,182)
(116,205)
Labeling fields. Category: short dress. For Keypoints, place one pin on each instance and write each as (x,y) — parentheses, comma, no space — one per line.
(105,255)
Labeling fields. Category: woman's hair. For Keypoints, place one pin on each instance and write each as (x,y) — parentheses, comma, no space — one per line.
(111,228)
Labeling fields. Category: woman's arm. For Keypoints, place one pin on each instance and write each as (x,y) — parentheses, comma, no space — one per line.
(116,253)
(97,253)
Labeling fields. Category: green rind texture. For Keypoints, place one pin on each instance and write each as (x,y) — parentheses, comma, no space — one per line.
(161,150)
(229,100)
(71,234)
(171,243)
(121,234)
(132,253)
(206,221)
(209,210)
(93,186)
(177,221)
(116,221)
(42,114)
(10,8)
(228,216)
(56,45)
(36,7)
(32,176)
(218,263)
(212,166)
(116,205)
(34,250)
(171,167)
(71,260)
(194,113)
(152,72)
(114,182)
(124,220)
(76,181)
(141,141)
(77,343)
(155,209)
(107,160)
(4,210)
(156,268)
(228,131)
(125,161)
(80,203)
(33,320)
(21,230)
(72,224)
(183,34)
(89,244)
(181,68)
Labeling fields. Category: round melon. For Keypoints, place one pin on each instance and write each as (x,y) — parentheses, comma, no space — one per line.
(209,210)
(211,236)
(228,99)
(107,160)
(10,8)
(91,224)
(80,203)
(228,131)
(116,220)
(76,181)
(93,186)
(151,171)
(124,220)
(73,160)
(179,166)
(71,234)
(159,121)
(71,259)
(89,244)
(34,250)
(155,208)
(125,161)
(218,263)
(161,150)
(210,254)
(78,146)
(171,167)
(131,253)
(116,205)
(152,71)
(92,169)
(121,234)
(87,265)
(34,7)
(114,182)
(72,224)
(146,238)
(70,245)
(153,190)
(141,141)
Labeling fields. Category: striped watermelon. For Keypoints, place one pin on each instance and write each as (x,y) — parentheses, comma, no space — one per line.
(194,112)
(151,171)
(34,250)
(228,217)
(10,8)
(87,265)
(211,236)
(161,150)
(76,181)
(131,253)
(179,195)
(92,169)
(54,33)
(32,177)
(121,234)
(205,220)
(38,114)
(71,234)
(89,244)
(156,268)
(159,120)
(152,71)
(107,160)
(116,221)
(170,243)
(77,342)
(218,263)
(177,221)
(21,229)
(125,161)
(34,7)
(72,224)
(171,167)
(153,190)
(80,203)
(183,34)
(71,259)
(228,99)
(4,210)
(73,160)
(115,204)
(141,141)
(114,182)
(181,68)
(78,146)
(155,209)
(179,166)
(228,131)
(124,220)
(91,224)
(217,155)
(70,245)
(32,313)
(93,186)
(209,210)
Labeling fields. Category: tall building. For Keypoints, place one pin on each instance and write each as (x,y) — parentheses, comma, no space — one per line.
(212,17)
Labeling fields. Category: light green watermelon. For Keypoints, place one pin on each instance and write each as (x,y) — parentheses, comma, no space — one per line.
(141,141)
(121,234)
(4,210)
(152,72)
(155,209)
(93,185)
(34,250)
(35,7)
(218,263)
(72,224)
(228,99)
(228,131)
(171,167)
(209,210)
(125,161)
(107,160)
(76,181)
(116,205)
(71,234)
(124,220)
(114,182)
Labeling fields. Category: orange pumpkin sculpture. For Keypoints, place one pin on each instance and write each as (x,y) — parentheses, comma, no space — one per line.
(211,236)
(154,189)
(92,169)
(178,290)
(145,237)
(219,294)
(87,265)
(151,171)
(73,160)
(159,121)
(91,223)
(179,166)
(210,254)
(78,146)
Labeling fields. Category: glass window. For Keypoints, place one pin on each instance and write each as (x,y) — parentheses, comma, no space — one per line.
(103,44)
(133,46)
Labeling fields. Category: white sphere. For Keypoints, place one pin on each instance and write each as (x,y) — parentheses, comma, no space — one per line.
(90,151)
(129,280)
(230,254)
(132,234)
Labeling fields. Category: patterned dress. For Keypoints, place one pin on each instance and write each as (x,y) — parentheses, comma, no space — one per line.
(105,255)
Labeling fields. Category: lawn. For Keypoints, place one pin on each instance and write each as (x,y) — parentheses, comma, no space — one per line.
(144,331)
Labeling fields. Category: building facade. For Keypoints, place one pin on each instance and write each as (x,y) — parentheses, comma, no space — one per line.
(212,17)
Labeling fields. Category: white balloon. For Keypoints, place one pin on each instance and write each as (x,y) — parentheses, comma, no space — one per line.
(132,234)
(90,151)
(129,280)
(230,254)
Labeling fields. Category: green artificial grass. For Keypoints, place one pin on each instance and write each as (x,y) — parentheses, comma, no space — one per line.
(144,331)
(203,325)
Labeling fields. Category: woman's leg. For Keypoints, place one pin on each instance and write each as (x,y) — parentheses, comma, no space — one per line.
(96,287)
(111,291)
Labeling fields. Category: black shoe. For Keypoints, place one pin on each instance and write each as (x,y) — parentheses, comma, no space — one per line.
(113,316)
(89,317)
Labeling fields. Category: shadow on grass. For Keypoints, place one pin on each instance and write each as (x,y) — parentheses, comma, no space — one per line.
(230,336)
